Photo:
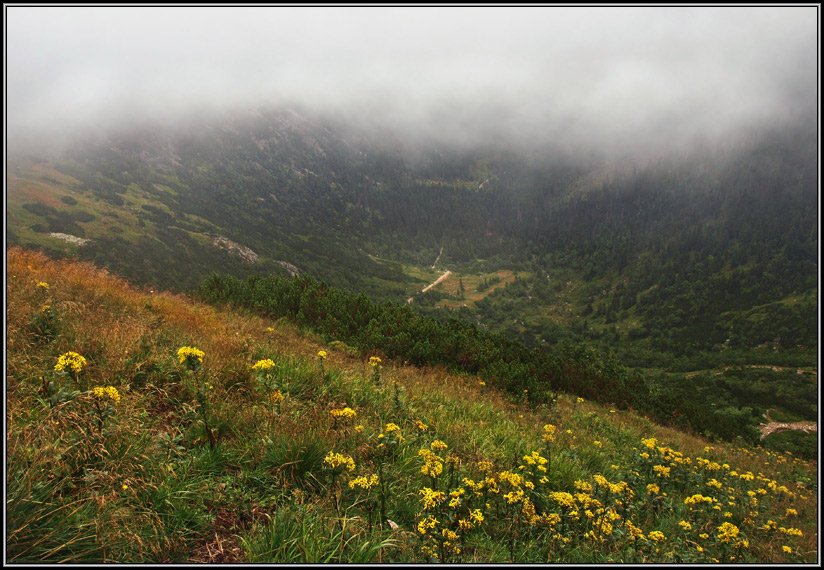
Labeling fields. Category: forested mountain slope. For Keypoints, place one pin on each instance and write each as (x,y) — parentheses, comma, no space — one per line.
(692,260)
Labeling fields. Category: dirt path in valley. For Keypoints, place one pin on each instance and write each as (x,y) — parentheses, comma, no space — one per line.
(772,427)
(437,258)
(446,274)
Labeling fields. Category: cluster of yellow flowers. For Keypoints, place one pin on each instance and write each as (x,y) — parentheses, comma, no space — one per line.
(70,360)
(344,413)
(433,464)
(449,543)
(455,497)
(431,498)
(438,445)
(190,354)
(549,433)
(427,523)
(536,460)
(109,392)
(661,471)
(364,482)
(420,426)
(276,396)
(727,532)
(374,361)
(264,364)
(791,531)
(335,460)
(657,536)
(650,443)
(42,285)
(322,355)
(563,499)
(698,499)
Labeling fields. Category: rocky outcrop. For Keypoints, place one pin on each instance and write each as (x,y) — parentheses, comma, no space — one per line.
(70,238)
(235,249)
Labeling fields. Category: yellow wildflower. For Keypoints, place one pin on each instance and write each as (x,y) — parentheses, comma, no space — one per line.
(431,498)
(657,536)
(433,464)
(650,443)
(660,470)
(727,531)
(336,460)
(791,531)
(109,392)
(322,354)
(70,360)
(583,486)
(190,354)
(364,482)
(344,413)
(262,364)
(426,524)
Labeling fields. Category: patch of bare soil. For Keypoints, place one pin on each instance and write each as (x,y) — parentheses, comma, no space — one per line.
(220,544)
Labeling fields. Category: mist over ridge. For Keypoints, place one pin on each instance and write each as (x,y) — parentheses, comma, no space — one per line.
(616,81)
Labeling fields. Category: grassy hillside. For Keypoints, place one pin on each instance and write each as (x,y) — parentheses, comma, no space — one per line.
(277,448)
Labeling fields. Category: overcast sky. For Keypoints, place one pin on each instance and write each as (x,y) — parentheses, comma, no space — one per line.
(605,75)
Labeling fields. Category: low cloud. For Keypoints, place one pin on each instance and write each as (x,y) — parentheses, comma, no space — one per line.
(592,77)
